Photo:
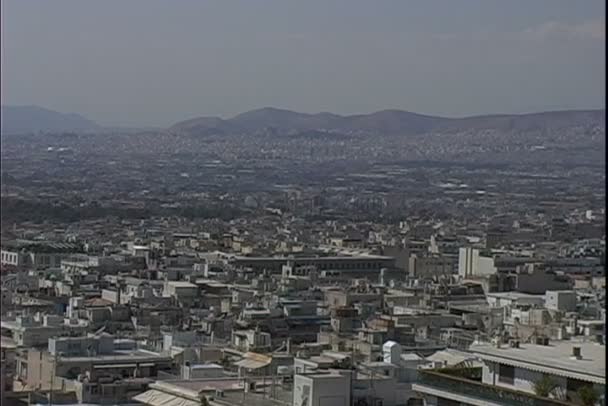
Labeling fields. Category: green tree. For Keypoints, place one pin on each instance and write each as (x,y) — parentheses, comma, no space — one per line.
(588,395)
(544,386)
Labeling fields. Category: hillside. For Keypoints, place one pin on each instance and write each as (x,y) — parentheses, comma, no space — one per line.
(386,122)
(34,119)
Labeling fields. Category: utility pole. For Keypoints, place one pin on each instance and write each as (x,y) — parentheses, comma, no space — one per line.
(52,378)
(352,372)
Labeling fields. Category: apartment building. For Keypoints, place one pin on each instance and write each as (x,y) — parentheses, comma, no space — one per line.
(512,371)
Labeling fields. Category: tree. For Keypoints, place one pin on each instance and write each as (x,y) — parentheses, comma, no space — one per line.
(588,395)
(544,386)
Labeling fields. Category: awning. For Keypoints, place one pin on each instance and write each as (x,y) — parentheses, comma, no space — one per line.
(158,398)
(248,363)
(112,366)
(545,369)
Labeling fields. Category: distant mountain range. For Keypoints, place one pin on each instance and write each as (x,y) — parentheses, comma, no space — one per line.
(35,119)
(385,122)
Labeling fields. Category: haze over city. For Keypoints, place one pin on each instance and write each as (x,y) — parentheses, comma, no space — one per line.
(148,63)
(303,203)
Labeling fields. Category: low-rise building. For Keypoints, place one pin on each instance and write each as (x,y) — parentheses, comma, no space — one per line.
(511,375)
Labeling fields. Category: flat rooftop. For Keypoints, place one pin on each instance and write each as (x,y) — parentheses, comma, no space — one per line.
(126,357)
(553,358)
(515,295)
(211,384)
(181,284)
(206,366)
(282,396)
(320,258)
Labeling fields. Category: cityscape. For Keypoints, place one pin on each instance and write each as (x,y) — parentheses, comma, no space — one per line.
(272,257)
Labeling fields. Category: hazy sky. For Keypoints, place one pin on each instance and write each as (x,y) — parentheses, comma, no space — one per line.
(153,63)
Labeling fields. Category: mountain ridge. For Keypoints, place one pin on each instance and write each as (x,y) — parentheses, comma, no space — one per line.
(32,119)
(28,119)
(387,122)
(271,120)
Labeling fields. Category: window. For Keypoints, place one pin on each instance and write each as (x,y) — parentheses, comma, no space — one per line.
(506,374)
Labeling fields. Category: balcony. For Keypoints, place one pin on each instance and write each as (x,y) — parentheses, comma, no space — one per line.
(477,392)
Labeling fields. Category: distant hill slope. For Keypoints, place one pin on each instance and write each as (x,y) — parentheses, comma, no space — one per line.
(386,122)
(33,119)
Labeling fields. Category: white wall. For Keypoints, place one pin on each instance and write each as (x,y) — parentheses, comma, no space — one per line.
(331,390)
(467,258)
(470,263)
(110,295)
(485,266)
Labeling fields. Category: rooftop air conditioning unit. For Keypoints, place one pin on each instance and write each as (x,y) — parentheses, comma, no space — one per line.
(219,393)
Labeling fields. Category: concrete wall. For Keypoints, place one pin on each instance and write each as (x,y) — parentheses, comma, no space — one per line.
(110,295)
(470,263)
(35,336)
(319,390)
(77,346)
(431,266)
(560,300)
(539,282)
(194,372)
(385,389)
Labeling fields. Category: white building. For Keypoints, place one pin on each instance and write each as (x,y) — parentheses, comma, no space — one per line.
(503,299)
(251,340)
(332,388)
(391,352)
(471,264)
(509,375)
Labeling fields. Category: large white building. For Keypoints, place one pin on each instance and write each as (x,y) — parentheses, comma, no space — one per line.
(472,265)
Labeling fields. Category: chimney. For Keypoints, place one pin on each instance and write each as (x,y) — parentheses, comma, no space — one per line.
(576,352)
